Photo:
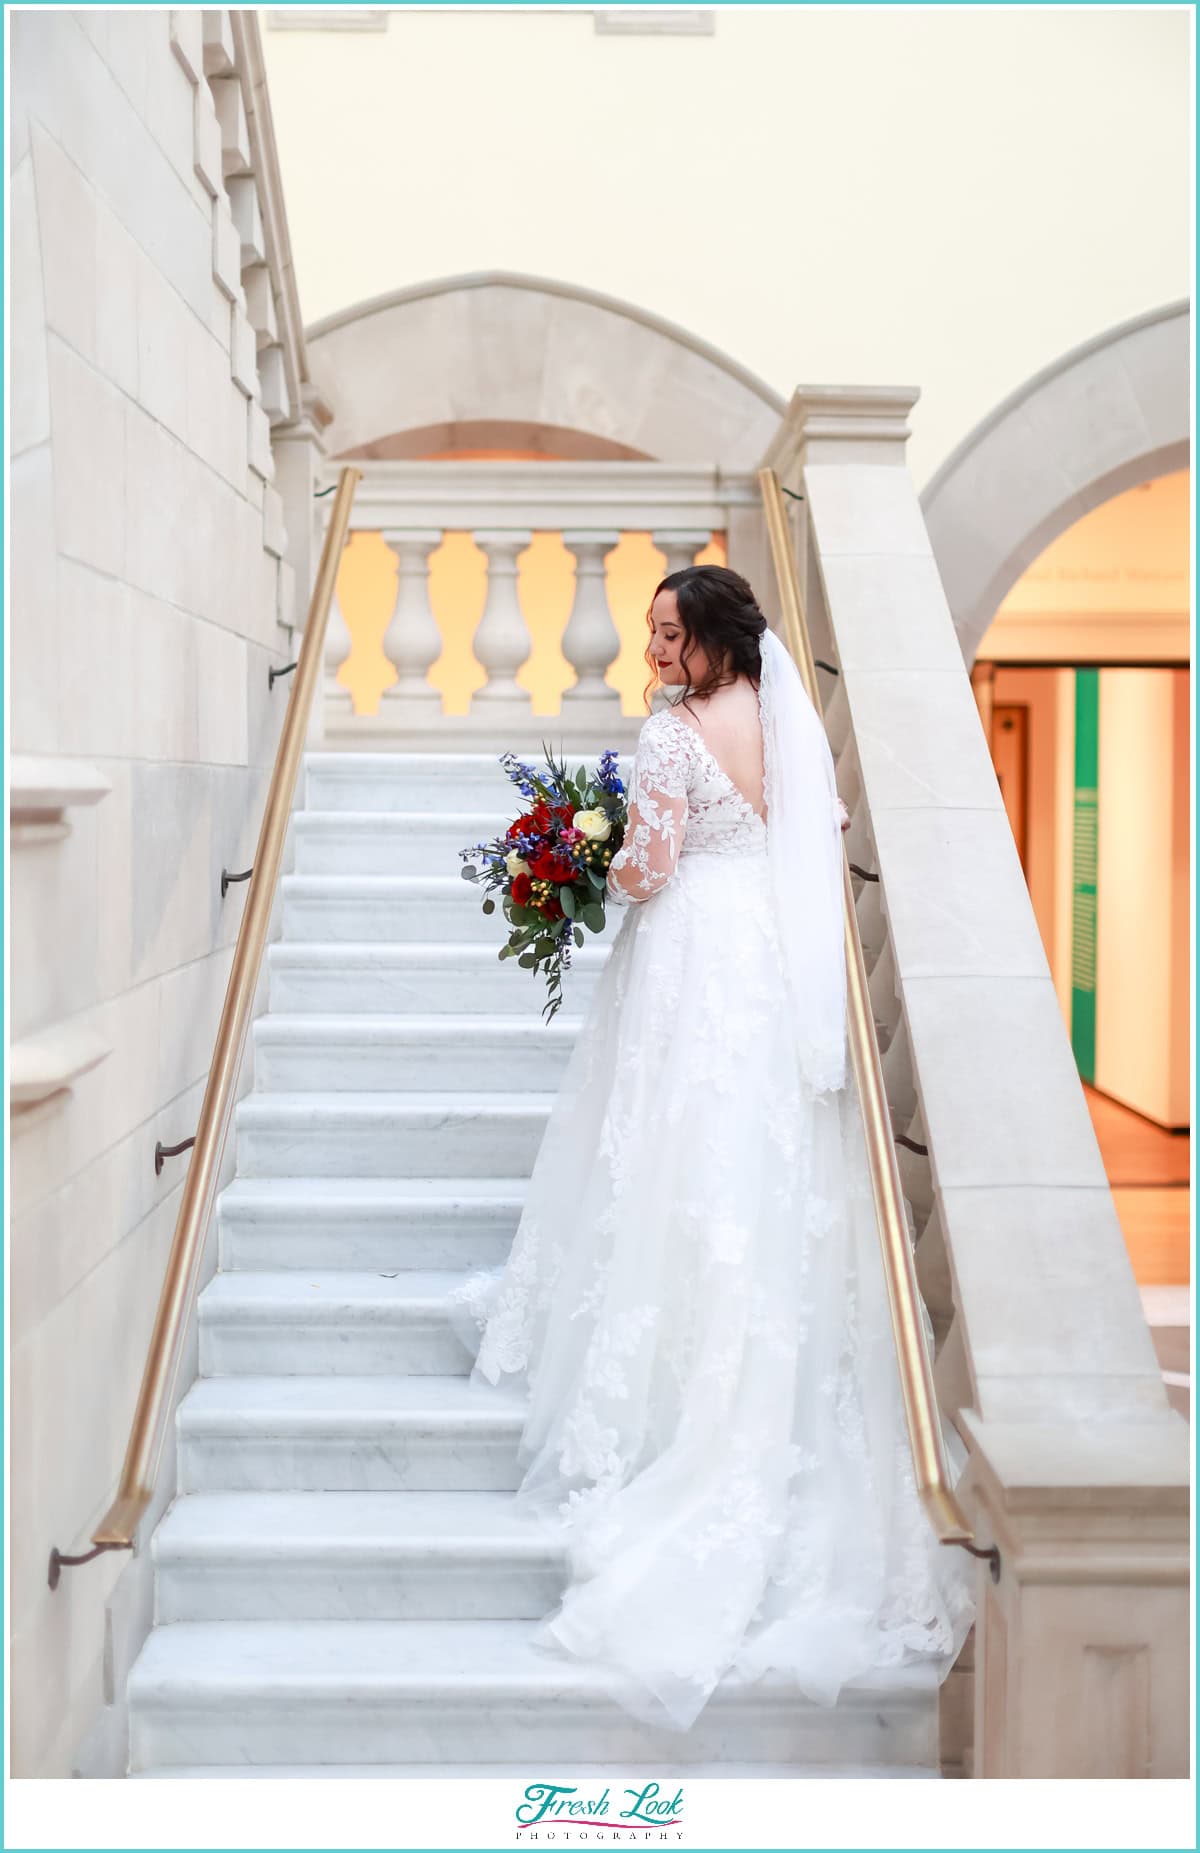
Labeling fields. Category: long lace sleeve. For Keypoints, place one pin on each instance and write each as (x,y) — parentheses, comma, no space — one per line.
(657,812)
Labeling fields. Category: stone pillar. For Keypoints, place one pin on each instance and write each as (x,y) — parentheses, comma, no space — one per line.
(502,641)
(1081,1651)
(338,702)
(747,552)
(412,641)
(299,450)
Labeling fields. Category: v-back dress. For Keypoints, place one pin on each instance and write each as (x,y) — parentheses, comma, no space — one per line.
(695,1302)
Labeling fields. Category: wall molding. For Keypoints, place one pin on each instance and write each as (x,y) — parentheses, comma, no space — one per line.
(644,21)
(48,1063)
(327,19)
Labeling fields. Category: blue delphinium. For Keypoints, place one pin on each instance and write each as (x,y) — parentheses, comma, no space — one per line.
(521,773)
(607,776)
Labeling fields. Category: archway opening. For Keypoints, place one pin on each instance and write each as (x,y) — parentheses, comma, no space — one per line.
(1083,682)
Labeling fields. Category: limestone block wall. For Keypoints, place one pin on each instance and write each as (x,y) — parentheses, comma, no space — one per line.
(149,597)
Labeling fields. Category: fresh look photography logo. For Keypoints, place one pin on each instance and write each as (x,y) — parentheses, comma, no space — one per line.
(560,1812)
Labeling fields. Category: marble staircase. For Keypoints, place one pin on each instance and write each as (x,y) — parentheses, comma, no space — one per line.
(341,1584)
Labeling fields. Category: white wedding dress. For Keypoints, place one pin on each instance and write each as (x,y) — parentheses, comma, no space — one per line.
(695,1303)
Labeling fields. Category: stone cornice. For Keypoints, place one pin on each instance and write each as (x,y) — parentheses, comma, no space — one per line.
(475,493)
(843,424)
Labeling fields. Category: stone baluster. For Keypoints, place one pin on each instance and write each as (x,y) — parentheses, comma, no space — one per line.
(590,642)
(412,642)
(680,546)
(502,641)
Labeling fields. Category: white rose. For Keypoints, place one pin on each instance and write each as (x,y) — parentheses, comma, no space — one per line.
(596,825)
(515,863)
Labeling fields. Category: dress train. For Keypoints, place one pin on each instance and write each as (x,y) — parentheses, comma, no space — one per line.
(695,1304)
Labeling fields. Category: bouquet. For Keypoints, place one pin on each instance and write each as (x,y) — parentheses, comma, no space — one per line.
(550,867)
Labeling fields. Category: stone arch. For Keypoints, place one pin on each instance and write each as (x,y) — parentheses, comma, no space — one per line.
(1110,414)
(494,359)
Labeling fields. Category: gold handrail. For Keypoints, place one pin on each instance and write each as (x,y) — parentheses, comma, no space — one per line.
(148,1429)
(930,1465)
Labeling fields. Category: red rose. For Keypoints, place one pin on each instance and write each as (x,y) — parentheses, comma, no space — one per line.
(548,866)
(521,889)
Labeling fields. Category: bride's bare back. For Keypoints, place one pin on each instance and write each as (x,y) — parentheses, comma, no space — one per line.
(728,724)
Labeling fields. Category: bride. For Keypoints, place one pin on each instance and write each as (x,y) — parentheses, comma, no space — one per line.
(694,1299)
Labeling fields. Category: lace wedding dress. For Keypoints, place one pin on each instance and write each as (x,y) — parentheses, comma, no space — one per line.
(695,1303)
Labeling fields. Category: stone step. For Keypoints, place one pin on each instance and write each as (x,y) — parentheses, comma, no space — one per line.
(353,1557)
(392,842)
(388,909)
(424,977)
(384,1224)
(288,1693)
(433,781)
(341,1323)
(353,1135)
(348,1434)
(343,1584)
(519,1772)
(399,909)
(330,1053)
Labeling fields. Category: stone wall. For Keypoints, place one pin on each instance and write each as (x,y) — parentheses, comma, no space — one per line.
(148,599)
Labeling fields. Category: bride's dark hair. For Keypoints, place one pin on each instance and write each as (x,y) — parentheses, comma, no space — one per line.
(717,610)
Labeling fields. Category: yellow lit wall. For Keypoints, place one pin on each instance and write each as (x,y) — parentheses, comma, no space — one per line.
(1113,587)
(1130,554)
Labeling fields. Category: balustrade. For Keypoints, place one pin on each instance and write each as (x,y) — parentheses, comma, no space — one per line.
(413,507)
